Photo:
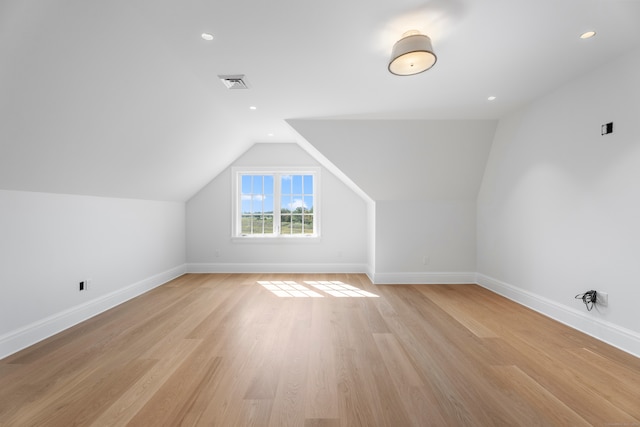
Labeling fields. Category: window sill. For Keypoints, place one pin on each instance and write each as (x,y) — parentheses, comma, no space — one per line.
(276,239)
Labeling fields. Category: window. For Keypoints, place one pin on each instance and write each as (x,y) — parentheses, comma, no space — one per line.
(281,203)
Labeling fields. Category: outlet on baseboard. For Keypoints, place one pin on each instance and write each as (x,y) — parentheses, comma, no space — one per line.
(602,298)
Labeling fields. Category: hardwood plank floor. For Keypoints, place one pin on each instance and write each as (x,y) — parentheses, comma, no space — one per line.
(318,350)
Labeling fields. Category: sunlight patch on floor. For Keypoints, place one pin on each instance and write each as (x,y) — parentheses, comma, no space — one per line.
(340,290)
(292,289)
(289,289)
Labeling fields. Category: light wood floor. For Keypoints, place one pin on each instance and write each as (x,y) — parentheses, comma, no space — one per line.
(225,350)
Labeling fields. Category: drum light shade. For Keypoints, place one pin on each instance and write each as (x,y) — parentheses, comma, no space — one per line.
(412,54)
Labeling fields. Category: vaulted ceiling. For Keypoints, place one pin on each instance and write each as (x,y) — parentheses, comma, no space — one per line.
(122,99)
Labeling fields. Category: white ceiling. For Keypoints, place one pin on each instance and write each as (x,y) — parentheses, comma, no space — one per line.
(121,98)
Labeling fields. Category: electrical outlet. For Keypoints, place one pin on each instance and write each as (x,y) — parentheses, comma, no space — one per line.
(606,129)
(425,260)
(602,298)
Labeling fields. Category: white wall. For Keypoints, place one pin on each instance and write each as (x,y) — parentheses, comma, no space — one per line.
(559,206)
(341,248)
(371,239)
(423,178)
(51,242)
(425,241)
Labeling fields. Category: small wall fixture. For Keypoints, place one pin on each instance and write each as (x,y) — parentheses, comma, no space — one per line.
(412,54)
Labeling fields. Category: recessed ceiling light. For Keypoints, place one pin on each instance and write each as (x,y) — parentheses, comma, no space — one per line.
(270,134)
(491,98)
(253,107)
(206,36)
(587,35)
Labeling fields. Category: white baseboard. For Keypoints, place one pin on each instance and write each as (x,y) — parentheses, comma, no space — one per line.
(371,274)
(435,278)
(19,339)
(274,268)
(622,338)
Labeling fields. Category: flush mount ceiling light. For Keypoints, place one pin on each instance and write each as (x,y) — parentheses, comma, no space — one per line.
(412,54)
(206,36)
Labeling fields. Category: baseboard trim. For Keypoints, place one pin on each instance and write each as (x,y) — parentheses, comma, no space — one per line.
(622,338)
(371,275)
(274,268)
(619,337)
(35,332)
(435,278)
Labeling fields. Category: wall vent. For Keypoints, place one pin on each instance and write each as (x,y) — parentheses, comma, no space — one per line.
(235,81)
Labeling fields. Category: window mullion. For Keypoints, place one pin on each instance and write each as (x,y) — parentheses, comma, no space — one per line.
(262,206)
(253,213)
(304,210)
(276,204)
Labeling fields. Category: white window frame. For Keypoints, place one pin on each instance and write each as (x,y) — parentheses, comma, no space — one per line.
(278,172)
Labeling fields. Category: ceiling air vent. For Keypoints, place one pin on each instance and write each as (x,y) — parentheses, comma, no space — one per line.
(234,81)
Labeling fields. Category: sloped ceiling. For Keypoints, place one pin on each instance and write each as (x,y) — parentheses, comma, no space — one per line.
(406,159)
(120,98)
